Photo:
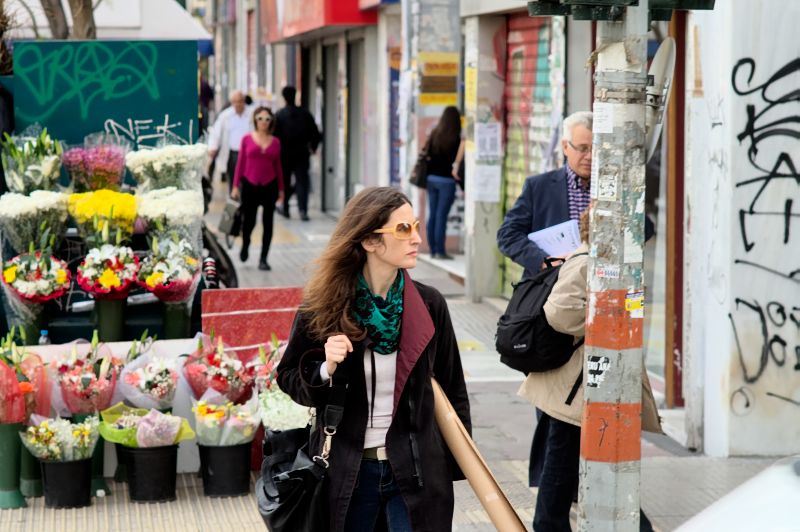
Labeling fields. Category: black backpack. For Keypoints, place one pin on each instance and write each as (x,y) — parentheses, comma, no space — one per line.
(524,339)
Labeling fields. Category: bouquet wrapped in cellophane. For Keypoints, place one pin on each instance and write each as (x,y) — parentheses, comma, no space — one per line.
(278,410)
(58,440)
(86,377)
(103,211)
(172,271)
(220,423)
(24,386)
(179,166)
(139,427)
(32,160)
(24,219)
(215,368)
(150,381)
(98,164)
(169,211)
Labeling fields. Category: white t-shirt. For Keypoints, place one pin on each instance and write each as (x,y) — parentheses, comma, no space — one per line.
(238,126)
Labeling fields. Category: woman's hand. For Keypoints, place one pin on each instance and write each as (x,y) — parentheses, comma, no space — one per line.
(235,194)
(336,350)
(280,197)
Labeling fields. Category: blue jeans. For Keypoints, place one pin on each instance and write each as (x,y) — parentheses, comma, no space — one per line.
(441,195)
(376,493)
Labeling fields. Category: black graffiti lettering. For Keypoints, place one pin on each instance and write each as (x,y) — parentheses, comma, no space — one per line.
(764,358)
(797,355)
(780,341)
(776,309)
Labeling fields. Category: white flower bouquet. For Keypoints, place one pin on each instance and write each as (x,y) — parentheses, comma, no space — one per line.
(138,427)
(280,412)
(169,210)
(58,440)
(32,161)
(150,381)
(108,272)
(172,272)
(24,219)
(179,166)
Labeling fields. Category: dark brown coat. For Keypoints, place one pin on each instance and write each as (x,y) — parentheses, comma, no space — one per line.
(422,464)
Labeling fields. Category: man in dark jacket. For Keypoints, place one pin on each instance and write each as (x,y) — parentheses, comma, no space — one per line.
(299,136)
(550,198)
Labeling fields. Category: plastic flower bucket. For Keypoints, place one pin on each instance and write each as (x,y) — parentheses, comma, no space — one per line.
(152,473)
(226,470)
(10,455)
(67,484)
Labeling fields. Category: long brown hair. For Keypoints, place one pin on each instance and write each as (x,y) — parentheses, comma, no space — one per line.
(447,133)
(330,293)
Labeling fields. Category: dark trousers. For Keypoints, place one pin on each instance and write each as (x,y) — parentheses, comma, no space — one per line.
(230,169)
(254,196)
(302,184)
(375,496)
(558,482)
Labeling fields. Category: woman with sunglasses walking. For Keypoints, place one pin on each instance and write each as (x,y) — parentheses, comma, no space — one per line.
(258,181)
(366,324)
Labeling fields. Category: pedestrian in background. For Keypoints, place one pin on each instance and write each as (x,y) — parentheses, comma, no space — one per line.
(225,137)
(299,138)
(365,322)
(554,393)
(258,181)
(442,151)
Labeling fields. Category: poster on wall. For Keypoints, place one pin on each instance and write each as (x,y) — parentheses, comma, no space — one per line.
(395,54)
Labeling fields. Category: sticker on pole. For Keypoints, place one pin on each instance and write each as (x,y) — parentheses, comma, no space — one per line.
(607,272)
(596,369)
(603,118)
(634,303)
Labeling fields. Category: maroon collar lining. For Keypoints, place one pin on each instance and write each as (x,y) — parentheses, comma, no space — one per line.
(416,332)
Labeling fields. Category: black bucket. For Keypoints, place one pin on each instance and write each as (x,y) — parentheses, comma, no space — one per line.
(225,470)
(152,473)
(67,484)
(121,473)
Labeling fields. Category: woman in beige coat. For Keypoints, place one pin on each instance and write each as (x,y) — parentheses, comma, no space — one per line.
(561,402)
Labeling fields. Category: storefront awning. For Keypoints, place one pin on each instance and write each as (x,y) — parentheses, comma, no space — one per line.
(298,20)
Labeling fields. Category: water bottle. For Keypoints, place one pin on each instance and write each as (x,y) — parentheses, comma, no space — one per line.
(210,272)
(44,338)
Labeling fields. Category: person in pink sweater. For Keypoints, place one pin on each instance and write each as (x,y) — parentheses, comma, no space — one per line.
(258,181)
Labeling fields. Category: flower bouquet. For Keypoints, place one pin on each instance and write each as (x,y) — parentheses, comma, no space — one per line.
(179,166)
(220,423)
(29,281)
(150,381)
(23,379)
(172,273)
(24,219)
(220,371)
(103,210)
(86,378)
(172,211)
(108,273)
(99,164)
(65,450)
(31,161)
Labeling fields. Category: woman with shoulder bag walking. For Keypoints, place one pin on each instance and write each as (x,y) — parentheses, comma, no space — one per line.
(559,395)
(444,152)
(366,323)
(258,181)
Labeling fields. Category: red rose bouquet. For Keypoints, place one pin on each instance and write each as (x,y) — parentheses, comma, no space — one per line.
(219,370)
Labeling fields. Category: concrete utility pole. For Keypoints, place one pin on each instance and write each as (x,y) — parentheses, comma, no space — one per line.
(611,426)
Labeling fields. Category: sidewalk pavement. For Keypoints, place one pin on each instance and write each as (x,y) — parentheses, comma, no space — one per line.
(676,484)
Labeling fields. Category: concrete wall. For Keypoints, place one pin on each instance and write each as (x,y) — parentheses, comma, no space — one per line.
(742,239)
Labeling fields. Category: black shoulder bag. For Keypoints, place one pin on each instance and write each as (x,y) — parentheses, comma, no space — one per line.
(292,491)
(419,175)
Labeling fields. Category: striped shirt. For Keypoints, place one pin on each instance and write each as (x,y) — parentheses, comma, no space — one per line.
(578,196)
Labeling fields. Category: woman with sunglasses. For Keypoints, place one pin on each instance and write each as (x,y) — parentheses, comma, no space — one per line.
(258,181)
(365,323)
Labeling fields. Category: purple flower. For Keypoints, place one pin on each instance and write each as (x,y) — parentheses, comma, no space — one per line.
(97,167)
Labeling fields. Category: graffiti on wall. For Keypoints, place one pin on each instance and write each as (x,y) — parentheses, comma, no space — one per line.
(768,227)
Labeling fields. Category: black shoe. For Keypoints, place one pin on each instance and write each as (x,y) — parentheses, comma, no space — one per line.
(444,256)
(284,212)
(243,255)
(304,217)
(264,266)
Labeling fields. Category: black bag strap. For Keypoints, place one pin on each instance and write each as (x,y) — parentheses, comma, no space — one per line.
(331,417)
(575,387)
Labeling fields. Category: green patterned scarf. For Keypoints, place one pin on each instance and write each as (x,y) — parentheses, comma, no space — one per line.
(380,317)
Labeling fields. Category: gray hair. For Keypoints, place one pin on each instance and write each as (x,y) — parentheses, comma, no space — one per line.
(581,118)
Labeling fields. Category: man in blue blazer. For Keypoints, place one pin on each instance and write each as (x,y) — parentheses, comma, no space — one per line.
(550,198)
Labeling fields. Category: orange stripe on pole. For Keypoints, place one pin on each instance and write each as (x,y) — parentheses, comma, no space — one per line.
(611,432)
(612,326)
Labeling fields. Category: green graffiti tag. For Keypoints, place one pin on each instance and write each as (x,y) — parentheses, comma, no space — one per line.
(85,73)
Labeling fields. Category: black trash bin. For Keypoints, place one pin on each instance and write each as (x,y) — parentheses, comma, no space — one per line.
(225,470)
(67,484)
(151,473)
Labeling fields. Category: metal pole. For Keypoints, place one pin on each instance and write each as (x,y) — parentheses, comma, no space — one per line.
(611,426)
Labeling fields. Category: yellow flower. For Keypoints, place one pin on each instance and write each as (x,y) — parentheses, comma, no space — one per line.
(105,204)
(191,261)
(109,279)
(154,279)
(61,276)
(10,274)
